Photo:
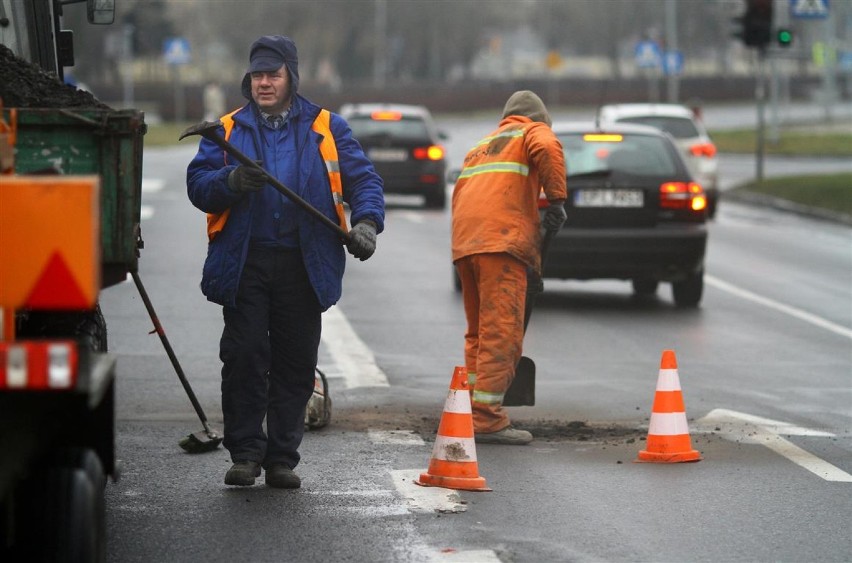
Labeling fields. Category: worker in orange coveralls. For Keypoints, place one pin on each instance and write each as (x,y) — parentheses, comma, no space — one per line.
(496,239)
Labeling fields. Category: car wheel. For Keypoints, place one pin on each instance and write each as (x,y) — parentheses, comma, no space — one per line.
(645,286)
(687,293)
(437,200)
(711,208)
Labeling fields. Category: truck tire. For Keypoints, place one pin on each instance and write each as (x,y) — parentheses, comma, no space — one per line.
(88,327)
(63,511)
(71,529)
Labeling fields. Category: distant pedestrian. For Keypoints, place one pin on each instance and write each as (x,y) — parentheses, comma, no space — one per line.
(495,241)
(273,267)
(214,101)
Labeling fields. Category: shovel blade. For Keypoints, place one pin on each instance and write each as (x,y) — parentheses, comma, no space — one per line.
(521,392)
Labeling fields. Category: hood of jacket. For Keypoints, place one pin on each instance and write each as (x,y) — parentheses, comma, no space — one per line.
(281,46)
(528,104)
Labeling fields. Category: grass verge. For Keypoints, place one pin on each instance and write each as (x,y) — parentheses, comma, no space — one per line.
(167,133)
(812,142)
(829,192)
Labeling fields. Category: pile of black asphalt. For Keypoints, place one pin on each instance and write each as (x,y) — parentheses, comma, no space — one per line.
(23,85)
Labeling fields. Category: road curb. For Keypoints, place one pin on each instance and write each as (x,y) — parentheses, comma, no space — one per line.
(777,203)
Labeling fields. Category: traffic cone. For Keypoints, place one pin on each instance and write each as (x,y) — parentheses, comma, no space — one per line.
(668,432)
(453,464)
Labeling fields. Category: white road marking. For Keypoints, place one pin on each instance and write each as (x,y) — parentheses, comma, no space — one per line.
(395,437)
(410,216)
(353,359)
(152,185)
(425,499)
(437,499)
(146,212)
(746,428)
(472,556)
(772,304)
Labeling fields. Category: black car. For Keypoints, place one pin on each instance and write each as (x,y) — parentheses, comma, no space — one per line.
(634,211)
(403,143)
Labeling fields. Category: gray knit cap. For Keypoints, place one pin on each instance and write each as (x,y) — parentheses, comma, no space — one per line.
(528,104)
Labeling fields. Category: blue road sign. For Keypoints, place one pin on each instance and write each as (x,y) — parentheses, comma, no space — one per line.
(673,62)
(647,54)
(809,9)
(176,51)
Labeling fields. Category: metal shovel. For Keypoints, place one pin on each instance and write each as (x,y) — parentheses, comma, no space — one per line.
(207,129)
(521,392)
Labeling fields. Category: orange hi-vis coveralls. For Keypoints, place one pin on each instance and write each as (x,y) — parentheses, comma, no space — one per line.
(495,240)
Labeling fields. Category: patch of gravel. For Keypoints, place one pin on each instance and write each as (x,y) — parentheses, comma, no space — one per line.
(546,430)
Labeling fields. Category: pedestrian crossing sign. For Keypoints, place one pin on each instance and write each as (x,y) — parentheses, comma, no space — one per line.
(812,9)
(176,51)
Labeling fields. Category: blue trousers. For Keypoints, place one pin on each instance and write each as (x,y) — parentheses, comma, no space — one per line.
(269,357)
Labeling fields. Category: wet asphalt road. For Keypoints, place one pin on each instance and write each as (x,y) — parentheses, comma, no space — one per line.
(771,341)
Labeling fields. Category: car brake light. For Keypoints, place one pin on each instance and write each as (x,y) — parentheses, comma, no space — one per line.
(38,365)
(682,195)
(386,116)
(432,152)
(703,149)
(603,138)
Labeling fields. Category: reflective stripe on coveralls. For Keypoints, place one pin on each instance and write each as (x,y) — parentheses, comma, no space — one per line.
(502,167)
(328,151)
(487,398)
(482,396)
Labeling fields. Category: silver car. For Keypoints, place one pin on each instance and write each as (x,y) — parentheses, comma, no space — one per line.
(685,125)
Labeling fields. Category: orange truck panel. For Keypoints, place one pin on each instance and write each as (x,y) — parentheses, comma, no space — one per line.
(49,242)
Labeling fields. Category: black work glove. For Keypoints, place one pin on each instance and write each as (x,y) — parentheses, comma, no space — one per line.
(363,240)
(554,217)
(245,179)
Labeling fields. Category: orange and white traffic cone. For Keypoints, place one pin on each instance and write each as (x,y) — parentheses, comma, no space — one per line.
(668,432)
(453,464)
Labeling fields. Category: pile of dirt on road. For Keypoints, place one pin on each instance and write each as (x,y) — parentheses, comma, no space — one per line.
(545,430)
(23,85)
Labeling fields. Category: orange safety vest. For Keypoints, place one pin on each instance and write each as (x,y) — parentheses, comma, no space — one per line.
(328,151)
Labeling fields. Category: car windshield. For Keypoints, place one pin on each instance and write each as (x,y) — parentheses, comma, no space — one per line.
(642,155)
(677,127)
(404,128)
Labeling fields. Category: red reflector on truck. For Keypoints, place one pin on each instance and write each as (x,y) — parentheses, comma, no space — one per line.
(38,366)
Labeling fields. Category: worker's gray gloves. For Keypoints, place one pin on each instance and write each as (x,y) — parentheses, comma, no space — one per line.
(245,179)
(362,244)
(554,217)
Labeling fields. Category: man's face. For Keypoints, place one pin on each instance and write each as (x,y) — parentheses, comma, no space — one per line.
(271,90)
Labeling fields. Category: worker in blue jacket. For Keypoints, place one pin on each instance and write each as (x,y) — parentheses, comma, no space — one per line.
(272,266)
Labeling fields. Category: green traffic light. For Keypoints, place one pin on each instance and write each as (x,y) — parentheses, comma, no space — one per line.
(785,37)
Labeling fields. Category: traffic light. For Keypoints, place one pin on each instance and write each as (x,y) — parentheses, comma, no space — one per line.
(754,27)
(784,36)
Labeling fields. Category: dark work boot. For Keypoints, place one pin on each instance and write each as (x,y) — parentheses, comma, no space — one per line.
(280,476)
(243,473)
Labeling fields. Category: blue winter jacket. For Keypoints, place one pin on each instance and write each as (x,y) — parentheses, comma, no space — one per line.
(322,249)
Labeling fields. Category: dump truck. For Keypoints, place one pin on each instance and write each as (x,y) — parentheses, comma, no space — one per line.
(70,205)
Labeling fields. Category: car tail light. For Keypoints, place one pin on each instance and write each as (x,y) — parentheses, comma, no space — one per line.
(38,365)
(386,116)
(432,152)
(429,178)
(542,201)
(682,195)
(703,149)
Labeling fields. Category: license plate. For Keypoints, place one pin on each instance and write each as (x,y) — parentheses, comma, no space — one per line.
(608,198)
(388,155)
